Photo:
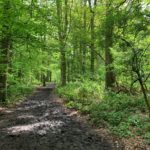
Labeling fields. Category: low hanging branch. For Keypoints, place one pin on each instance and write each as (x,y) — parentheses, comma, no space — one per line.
(137,68)
(99,55)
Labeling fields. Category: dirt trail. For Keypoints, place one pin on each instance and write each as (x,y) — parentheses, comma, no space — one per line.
(42,123)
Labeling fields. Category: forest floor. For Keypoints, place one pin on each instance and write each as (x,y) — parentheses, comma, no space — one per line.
(42,122)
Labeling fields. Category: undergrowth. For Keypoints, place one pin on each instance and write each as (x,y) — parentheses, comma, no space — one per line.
(124,115)
(17,92)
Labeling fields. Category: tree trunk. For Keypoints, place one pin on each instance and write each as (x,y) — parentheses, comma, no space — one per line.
(109,25)
(143,91)
(62,33)
(92,44)
(49,76)
(84,40)
(68,71)
(43,79)
(63,66)
(4,51)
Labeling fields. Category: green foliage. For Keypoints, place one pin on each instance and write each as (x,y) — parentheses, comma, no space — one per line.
(37,33)
(135,121)
(122,130)
(18,92)
(147,136)
(25,24)
(69,91)
(83,91)
(119,112)
(81,94)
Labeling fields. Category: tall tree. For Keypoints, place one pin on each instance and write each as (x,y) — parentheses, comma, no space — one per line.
(109,27)
(92,5)
(83,41)
(62,33)
(5,45)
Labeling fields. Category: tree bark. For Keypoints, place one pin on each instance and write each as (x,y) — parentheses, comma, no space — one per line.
(92,44)
(5,44)
(109,25)
(144,91)
(63,65)
(83,44)
(62,33)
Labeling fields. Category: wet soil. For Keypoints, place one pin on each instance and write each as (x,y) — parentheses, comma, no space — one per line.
(42,122)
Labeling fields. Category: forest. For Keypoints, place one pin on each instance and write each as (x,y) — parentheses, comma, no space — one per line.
(97,52)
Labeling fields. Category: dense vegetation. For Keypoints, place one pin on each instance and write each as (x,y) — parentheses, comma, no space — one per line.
(98,51)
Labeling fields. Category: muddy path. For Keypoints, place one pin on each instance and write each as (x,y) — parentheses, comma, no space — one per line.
(41,122)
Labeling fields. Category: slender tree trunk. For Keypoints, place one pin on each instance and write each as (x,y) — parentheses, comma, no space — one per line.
(5,44)
(4,68)
(43,79)
(143,91)
(68,71)
(81,58)
(92,44)
(62,32)
(110,75)
(48,77)
(63,64)
(83,45)
(84,40)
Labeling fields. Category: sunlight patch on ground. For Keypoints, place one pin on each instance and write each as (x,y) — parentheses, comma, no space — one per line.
(34,105)
(39,127)
(26,117)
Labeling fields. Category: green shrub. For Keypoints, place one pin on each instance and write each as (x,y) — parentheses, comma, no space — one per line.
(119,112)
(69,91)
(75,105)
(122,130)
(115,118)
(135,120)
(147,136)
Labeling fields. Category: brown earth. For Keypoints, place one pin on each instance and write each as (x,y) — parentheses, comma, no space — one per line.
(42,122)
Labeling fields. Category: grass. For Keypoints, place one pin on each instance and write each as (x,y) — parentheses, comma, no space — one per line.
(124,115)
